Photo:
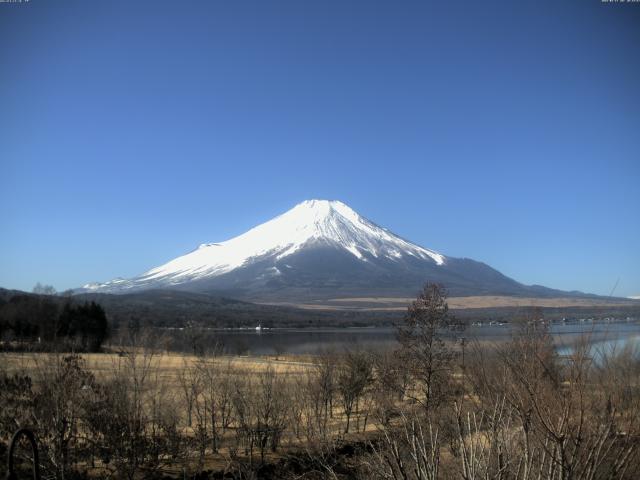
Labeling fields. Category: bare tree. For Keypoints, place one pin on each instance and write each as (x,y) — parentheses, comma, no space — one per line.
(354,374)
(410,451)
(58,407)
(214,394)
(318,387)
(261,411)
(545,417)
(125,419)
(425,353)
(391,382)
(44,289)
(187,379)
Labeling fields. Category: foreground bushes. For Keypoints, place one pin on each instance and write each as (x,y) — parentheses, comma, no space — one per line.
(519,412)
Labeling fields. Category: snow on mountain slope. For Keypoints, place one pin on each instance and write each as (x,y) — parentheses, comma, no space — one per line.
(311,222)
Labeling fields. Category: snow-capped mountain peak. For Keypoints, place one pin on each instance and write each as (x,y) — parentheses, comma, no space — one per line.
(308,224)
(319,251)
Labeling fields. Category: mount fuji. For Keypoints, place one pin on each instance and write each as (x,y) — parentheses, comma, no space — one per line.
(318,250)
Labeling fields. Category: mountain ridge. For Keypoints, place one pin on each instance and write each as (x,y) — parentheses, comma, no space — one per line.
(320,249)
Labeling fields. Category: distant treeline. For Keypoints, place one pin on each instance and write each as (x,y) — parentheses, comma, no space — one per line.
(48,322)
(172,308)
(169,309)
(72,321)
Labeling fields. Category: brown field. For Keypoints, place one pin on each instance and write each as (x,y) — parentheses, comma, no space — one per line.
(167,364)
(166,404)
(164,377)
(461,303)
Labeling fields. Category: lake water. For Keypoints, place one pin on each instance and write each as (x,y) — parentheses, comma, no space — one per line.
(313,340)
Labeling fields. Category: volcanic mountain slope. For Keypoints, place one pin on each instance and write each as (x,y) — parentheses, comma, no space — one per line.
(320,250)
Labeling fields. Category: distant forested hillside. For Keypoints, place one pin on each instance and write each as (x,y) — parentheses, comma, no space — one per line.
(49,322)
(28,315)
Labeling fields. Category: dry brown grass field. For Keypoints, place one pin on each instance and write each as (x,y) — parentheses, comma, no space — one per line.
(167,364)
(166,373)
(177,388)
(461,303)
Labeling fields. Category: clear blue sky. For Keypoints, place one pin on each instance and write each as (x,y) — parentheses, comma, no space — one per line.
(508,132)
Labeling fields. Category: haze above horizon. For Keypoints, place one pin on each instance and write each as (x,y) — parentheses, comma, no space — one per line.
(506,132)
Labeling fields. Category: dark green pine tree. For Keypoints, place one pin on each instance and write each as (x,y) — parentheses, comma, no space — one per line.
(97,326)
